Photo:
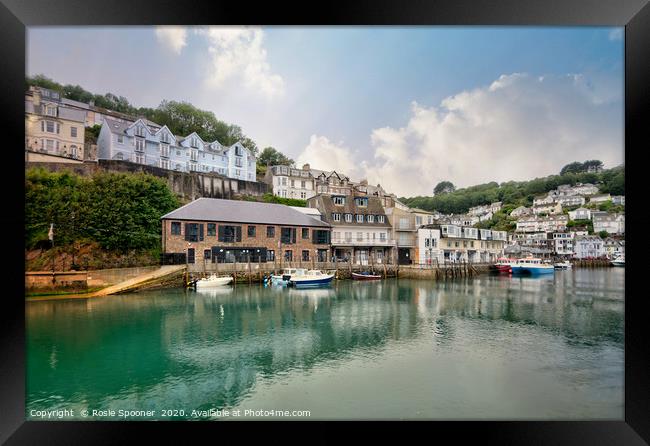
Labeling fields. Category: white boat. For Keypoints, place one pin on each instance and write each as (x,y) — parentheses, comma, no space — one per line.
(563,265)
(313,277)
(212,281)
(618,261)
(531,266)
(287,273)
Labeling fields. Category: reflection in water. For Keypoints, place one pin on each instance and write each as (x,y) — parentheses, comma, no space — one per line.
(492,347)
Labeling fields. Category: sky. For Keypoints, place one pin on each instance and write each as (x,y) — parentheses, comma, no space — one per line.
(404,107)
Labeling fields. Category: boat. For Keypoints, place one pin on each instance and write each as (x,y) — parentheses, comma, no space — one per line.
(365,276)
(283,279)
(313,277)
(212,281)
(562,265)
(618,261)
(502,265)
(531,266)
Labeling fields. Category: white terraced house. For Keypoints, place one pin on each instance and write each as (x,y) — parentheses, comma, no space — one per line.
(147,143)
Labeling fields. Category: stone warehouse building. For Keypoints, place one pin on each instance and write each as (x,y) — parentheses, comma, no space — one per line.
(210,230)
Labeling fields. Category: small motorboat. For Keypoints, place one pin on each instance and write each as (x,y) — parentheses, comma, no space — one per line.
(365,276)
(313,277)
(562,265)
(503,265)
(212,281)
(532,266)
(287,273)
(618,261)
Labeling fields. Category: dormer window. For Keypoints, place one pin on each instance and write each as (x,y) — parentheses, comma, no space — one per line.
(348,218)
(194,142)
(238,151)
(359,218)
(139,131)
(336,217)
(361,201)
(380,218)
(338,200)
(164,137)
(371,218)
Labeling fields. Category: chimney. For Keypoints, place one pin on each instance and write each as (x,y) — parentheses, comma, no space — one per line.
(305,167)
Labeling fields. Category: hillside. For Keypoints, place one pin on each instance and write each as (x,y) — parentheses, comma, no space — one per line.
(514,194)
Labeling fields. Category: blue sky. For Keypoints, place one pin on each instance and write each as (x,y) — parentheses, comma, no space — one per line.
(403,106)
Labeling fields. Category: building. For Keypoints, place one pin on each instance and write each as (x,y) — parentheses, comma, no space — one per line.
(588,247)
(147,143)
(580,189)
(51,126)
(361,232)
(289,182)
(453,244)
(548,199)
(602,198)
(580,214)
(571,200)
(618,200)
(562,243)
(542,224)
(333,183)
(613,247)
(612,223)
(521,210)
(402,221)
(210,230)
(550,208)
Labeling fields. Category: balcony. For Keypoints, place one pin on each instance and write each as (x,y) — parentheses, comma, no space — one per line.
(365,242)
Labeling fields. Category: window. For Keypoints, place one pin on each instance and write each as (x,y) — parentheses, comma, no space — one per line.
(348,236)
(361,201)
(270,255)
(73,132)
(238,151)
(176,228)
(288,255)
(380,218)
(359,236)
(229,233)
(207,253)
(320,237)
(139,144)
(370,218)
(164,150)
(293,183)
(212,229)
(178,153)
(120,139)
(164,164)
(359,218)
(50,127)
(338,200)
(426,242)
(303,184)
(270,231)
(336,217)
(288,235)
(305,255)
(305,233)
(303,195)
(139,159)
(193,232)
(348,218)
(382,236)
(50,110)
(251,231)
(139,130)
(49,144)
(164,137)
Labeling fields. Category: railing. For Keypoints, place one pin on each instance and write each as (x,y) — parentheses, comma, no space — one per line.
(365,242)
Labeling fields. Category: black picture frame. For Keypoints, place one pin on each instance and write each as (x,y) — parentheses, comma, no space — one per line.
(16,15)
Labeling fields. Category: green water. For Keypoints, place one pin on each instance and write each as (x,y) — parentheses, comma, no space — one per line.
(494,347)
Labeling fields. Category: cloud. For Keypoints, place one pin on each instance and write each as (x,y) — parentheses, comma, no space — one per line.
(517,128)
(172,37)
(238,53)
(323,154)
(616,34)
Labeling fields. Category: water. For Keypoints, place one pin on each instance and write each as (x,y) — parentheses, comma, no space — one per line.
(494,347)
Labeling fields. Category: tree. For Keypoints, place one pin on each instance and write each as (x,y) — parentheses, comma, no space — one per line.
(593,165)
(575,167)
(273,157)
(444,187)
(603,234)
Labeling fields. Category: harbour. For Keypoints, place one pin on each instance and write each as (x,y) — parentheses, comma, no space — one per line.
(547,347)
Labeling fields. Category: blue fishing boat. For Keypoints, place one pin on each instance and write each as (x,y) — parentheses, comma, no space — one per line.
(533,267)
(313,278)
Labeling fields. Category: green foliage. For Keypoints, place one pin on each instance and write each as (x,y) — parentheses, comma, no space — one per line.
(92,133)
(588,224)
(603,234)
(577,167)
(444,187)
(513,193)
(120,211)
(273,157)
(270,198)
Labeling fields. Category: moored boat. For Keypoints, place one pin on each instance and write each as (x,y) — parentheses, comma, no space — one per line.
(502,265)
(618,261)
(212,281)
(311,278)
(365,276)
(532,266)
(287,273)
(562,265)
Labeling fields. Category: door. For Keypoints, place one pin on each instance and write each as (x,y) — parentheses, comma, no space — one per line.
(190,255)
(404,256)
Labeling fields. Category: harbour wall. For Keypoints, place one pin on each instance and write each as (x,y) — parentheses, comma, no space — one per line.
(81,280)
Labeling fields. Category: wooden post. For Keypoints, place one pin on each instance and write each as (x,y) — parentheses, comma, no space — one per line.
(250,274)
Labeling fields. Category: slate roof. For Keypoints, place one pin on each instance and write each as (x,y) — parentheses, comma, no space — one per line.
(327,206)
(235,211)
